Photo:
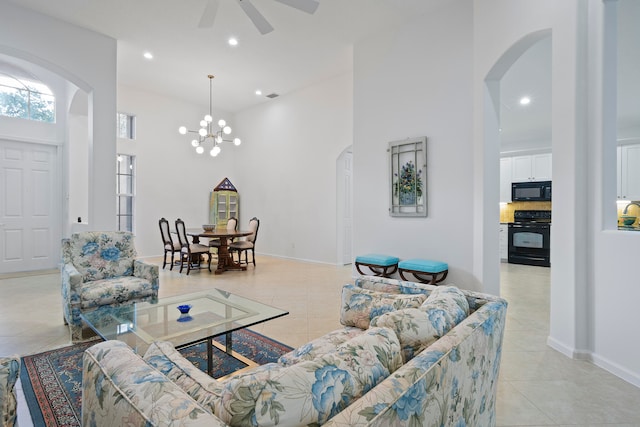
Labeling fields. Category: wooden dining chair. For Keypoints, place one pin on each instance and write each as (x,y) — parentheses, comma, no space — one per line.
(232,225)
(169,245)
(249,244)
(191,252)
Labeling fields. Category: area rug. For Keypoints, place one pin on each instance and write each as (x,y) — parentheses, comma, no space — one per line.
(52,381)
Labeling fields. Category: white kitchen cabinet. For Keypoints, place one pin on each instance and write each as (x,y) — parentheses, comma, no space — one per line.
(534,167)
(629,172)
(505,179)
(504,242)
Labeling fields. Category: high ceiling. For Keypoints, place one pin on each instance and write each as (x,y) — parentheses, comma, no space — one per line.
(527,126)
(303,48)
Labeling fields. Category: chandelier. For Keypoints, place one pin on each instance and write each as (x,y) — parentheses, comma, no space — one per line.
(207,132)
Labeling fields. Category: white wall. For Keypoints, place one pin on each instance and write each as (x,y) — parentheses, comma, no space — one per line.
(173,181)
(593,292)
(613,280)
(88,60)
(286,168)
(409,82)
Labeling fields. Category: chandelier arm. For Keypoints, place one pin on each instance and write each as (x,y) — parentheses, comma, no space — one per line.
(210,95)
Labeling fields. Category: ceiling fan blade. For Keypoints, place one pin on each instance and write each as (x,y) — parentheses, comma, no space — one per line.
(308,6)
(256,17)
(209,15)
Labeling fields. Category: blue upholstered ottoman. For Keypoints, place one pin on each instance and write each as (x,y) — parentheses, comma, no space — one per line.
(426,271)
(380,265)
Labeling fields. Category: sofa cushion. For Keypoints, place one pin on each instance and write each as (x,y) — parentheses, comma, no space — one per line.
(9,372)
(98,255)
(392,286)
(360,305)
(311,391)
(447,303)
(114,291)
(200,386)
(325,344)
(377,259)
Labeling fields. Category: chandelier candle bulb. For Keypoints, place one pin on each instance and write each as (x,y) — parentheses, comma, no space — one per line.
(207,133)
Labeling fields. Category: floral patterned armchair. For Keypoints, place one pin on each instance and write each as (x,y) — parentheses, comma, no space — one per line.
(100,270)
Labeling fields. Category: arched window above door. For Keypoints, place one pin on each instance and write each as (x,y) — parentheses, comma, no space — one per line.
(24,96)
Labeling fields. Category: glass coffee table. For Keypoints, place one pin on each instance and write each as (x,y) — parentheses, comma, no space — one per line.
(212,313)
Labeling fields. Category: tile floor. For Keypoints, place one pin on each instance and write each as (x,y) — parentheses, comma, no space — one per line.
(538,386)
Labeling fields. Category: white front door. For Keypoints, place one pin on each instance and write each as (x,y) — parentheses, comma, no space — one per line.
(29,207)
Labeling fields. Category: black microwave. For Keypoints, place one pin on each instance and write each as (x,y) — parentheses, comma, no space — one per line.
(531,191)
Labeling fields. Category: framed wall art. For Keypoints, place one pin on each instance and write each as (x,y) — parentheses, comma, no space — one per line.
(408,177)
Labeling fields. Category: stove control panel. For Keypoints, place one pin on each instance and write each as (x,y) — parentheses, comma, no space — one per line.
(532,216)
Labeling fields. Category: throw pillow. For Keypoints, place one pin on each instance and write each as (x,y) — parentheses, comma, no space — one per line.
(414,329)
(311,391)
(200,386)
(359,305)
(444,308)
(447,306)
(323,345)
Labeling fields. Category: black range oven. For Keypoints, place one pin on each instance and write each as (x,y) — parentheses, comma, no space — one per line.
(529,238)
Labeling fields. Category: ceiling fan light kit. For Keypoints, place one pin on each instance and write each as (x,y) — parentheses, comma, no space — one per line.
(207,132)
(211,10)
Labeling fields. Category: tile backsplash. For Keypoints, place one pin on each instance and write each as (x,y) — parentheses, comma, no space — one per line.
(506,210)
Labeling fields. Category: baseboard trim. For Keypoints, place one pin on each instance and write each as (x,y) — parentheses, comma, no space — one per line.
(616,369)
(313,261)
(601,362)
(560,347)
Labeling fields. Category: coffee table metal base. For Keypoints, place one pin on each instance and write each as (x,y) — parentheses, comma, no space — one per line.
(226,347)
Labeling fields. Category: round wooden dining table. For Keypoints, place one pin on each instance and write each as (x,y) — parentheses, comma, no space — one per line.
(225,259)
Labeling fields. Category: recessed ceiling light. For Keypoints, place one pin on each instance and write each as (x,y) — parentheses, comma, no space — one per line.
(148,55)
(258,92)
(525,100)
(233,41)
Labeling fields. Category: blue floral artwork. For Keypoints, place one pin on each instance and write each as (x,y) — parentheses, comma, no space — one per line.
(408,185)
(408,177)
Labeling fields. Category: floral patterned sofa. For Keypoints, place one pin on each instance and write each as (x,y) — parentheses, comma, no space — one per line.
(409,355)
(100,270)
(9,372)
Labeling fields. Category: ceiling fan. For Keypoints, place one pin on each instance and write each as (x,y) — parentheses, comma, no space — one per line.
(211,9)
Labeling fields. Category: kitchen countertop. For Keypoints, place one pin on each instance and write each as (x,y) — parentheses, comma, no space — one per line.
(626,228)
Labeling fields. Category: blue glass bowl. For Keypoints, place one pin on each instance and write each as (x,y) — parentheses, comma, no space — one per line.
(184,309)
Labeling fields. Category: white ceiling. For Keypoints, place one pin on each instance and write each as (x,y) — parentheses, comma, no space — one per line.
(302,50)
(527,126)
